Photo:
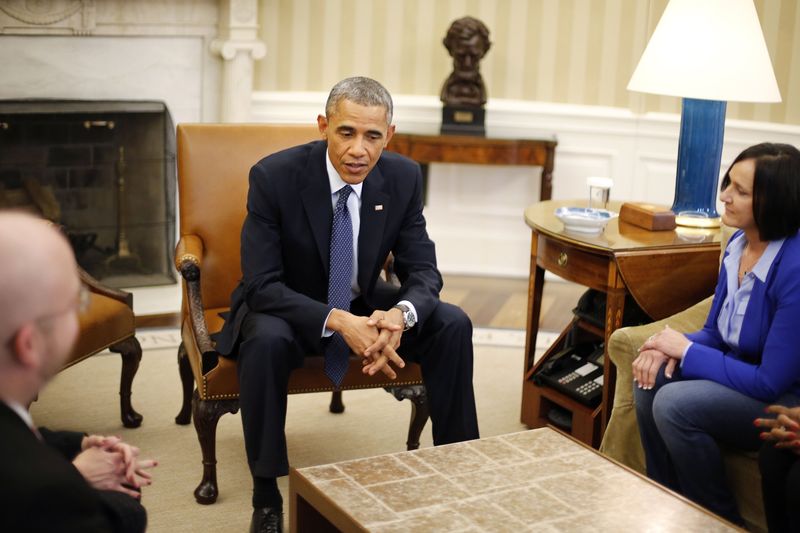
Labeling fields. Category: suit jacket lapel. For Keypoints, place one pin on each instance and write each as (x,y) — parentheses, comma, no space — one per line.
(374,208)
(9,418)
(315,192)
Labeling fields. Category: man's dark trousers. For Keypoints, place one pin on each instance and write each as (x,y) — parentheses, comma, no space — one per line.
(268,351)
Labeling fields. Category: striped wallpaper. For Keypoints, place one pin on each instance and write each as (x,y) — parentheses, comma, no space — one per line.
(566,51)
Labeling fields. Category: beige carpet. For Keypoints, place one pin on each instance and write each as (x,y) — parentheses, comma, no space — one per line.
(85,397)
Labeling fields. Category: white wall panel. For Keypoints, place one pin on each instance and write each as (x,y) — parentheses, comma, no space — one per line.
(581,161)
(655,177)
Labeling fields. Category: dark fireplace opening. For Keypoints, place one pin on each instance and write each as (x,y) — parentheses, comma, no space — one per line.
(105,171)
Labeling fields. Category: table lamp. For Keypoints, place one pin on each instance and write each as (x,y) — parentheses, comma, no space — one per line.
(706,52)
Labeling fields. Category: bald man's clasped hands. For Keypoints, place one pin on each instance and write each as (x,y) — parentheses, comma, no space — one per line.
(108,463)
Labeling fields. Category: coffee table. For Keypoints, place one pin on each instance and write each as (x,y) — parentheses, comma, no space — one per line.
(536,480)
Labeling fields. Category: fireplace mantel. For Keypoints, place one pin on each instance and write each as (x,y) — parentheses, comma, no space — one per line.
(56,16)
(196,55)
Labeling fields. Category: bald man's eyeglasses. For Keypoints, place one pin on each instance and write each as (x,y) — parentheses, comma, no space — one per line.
(80,305)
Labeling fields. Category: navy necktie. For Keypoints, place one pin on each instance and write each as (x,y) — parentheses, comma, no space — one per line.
(337,352)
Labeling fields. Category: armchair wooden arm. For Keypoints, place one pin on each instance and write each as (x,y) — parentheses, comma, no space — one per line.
(188,260)
(98,288)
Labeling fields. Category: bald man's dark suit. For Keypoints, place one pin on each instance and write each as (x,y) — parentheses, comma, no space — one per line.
(40,489)
(279,308)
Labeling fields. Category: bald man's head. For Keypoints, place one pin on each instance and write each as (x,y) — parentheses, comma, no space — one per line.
(39,287)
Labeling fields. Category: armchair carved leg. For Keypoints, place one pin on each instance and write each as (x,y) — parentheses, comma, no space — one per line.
(419,410)
(206,415)
(337,406)
(131,353)
(187,381)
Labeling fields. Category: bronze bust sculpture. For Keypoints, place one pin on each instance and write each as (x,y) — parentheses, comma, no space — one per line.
(467,41)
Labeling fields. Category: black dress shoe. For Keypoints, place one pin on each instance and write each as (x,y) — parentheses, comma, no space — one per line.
(267,520)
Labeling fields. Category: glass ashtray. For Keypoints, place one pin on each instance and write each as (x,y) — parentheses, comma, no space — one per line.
(584,219)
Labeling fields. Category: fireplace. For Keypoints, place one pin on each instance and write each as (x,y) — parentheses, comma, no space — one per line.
(105,171)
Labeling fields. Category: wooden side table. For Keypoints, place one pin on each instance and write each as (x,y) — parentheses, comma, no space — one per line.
(664,271)
(426,149)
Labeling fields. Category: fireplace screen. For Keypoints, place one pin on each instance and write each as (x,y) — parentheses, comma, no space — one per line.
(105,171)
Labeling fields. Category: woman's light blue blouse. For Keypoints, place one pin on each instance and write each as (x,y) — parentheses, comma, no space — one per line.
(731,314)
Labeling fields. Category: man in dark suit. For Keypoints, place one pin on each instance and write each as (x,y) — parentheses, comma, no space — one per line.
(52,481)
(321,220)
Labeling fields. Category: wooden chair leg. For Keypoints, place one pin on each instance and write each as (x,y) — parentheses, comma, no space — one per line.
(131,352)
(419,410)
(337,406)
(419,417)
(206,414)
(187,381)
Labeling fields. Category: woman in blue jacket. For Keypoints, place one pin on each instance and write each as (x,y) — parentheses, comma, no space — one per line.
(696,392)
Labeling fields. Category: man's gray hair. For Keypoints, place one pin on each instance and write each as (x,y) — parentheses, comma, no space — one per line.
(361,91)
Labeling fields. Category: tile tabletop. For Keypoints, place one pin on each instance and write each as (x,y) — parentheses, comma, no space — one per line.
(537,480)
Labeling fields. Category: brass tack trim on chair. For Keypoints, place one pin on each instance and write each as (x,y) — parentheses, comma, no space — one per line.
(218,396)
(353,387)
(187,257)
(223,397)
(306,390)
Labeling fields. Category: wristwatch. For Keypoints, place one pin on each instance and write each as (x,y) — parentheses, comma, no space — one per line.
(409,319)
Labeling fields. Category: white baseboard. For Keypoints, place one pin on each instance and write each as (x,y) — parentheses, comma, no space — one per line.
(156,300)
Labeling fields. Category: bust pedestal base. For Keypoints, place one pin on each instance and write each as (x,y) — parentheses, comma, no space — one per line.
(463,120)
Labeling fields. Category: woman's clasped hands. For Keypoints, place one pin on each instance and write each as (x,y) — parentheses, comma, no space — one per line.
(663,348)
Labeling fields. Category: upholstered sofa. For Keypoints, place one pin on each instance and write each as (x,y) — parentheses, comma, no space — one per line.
(621,439)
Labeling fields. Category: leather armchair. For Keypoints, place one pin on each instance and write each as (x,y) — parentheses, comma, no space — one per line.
(214,161)
(108,322)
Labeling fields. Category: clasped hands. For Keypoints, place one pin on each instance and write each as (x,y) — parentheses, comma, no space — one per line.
(665,347)
(375,338)
(783,429)
(107,463)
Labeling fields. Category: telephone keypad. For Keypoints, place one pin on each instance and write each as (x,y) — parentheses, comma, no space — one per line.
(572,376)
(588,387)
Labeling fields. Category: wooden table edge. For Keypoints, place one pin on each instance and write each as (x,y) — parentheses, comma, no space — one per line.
(299,485)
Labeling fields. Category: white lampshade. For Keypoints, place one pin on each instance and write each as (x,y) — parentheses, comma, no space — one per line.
(708,49)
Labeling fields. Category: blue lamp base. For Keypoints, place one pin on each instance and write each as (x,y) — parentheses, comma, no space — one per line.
(699,156)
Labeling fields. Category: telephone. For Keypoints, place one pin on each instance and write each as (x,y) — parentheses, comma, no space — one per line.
(576,371)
